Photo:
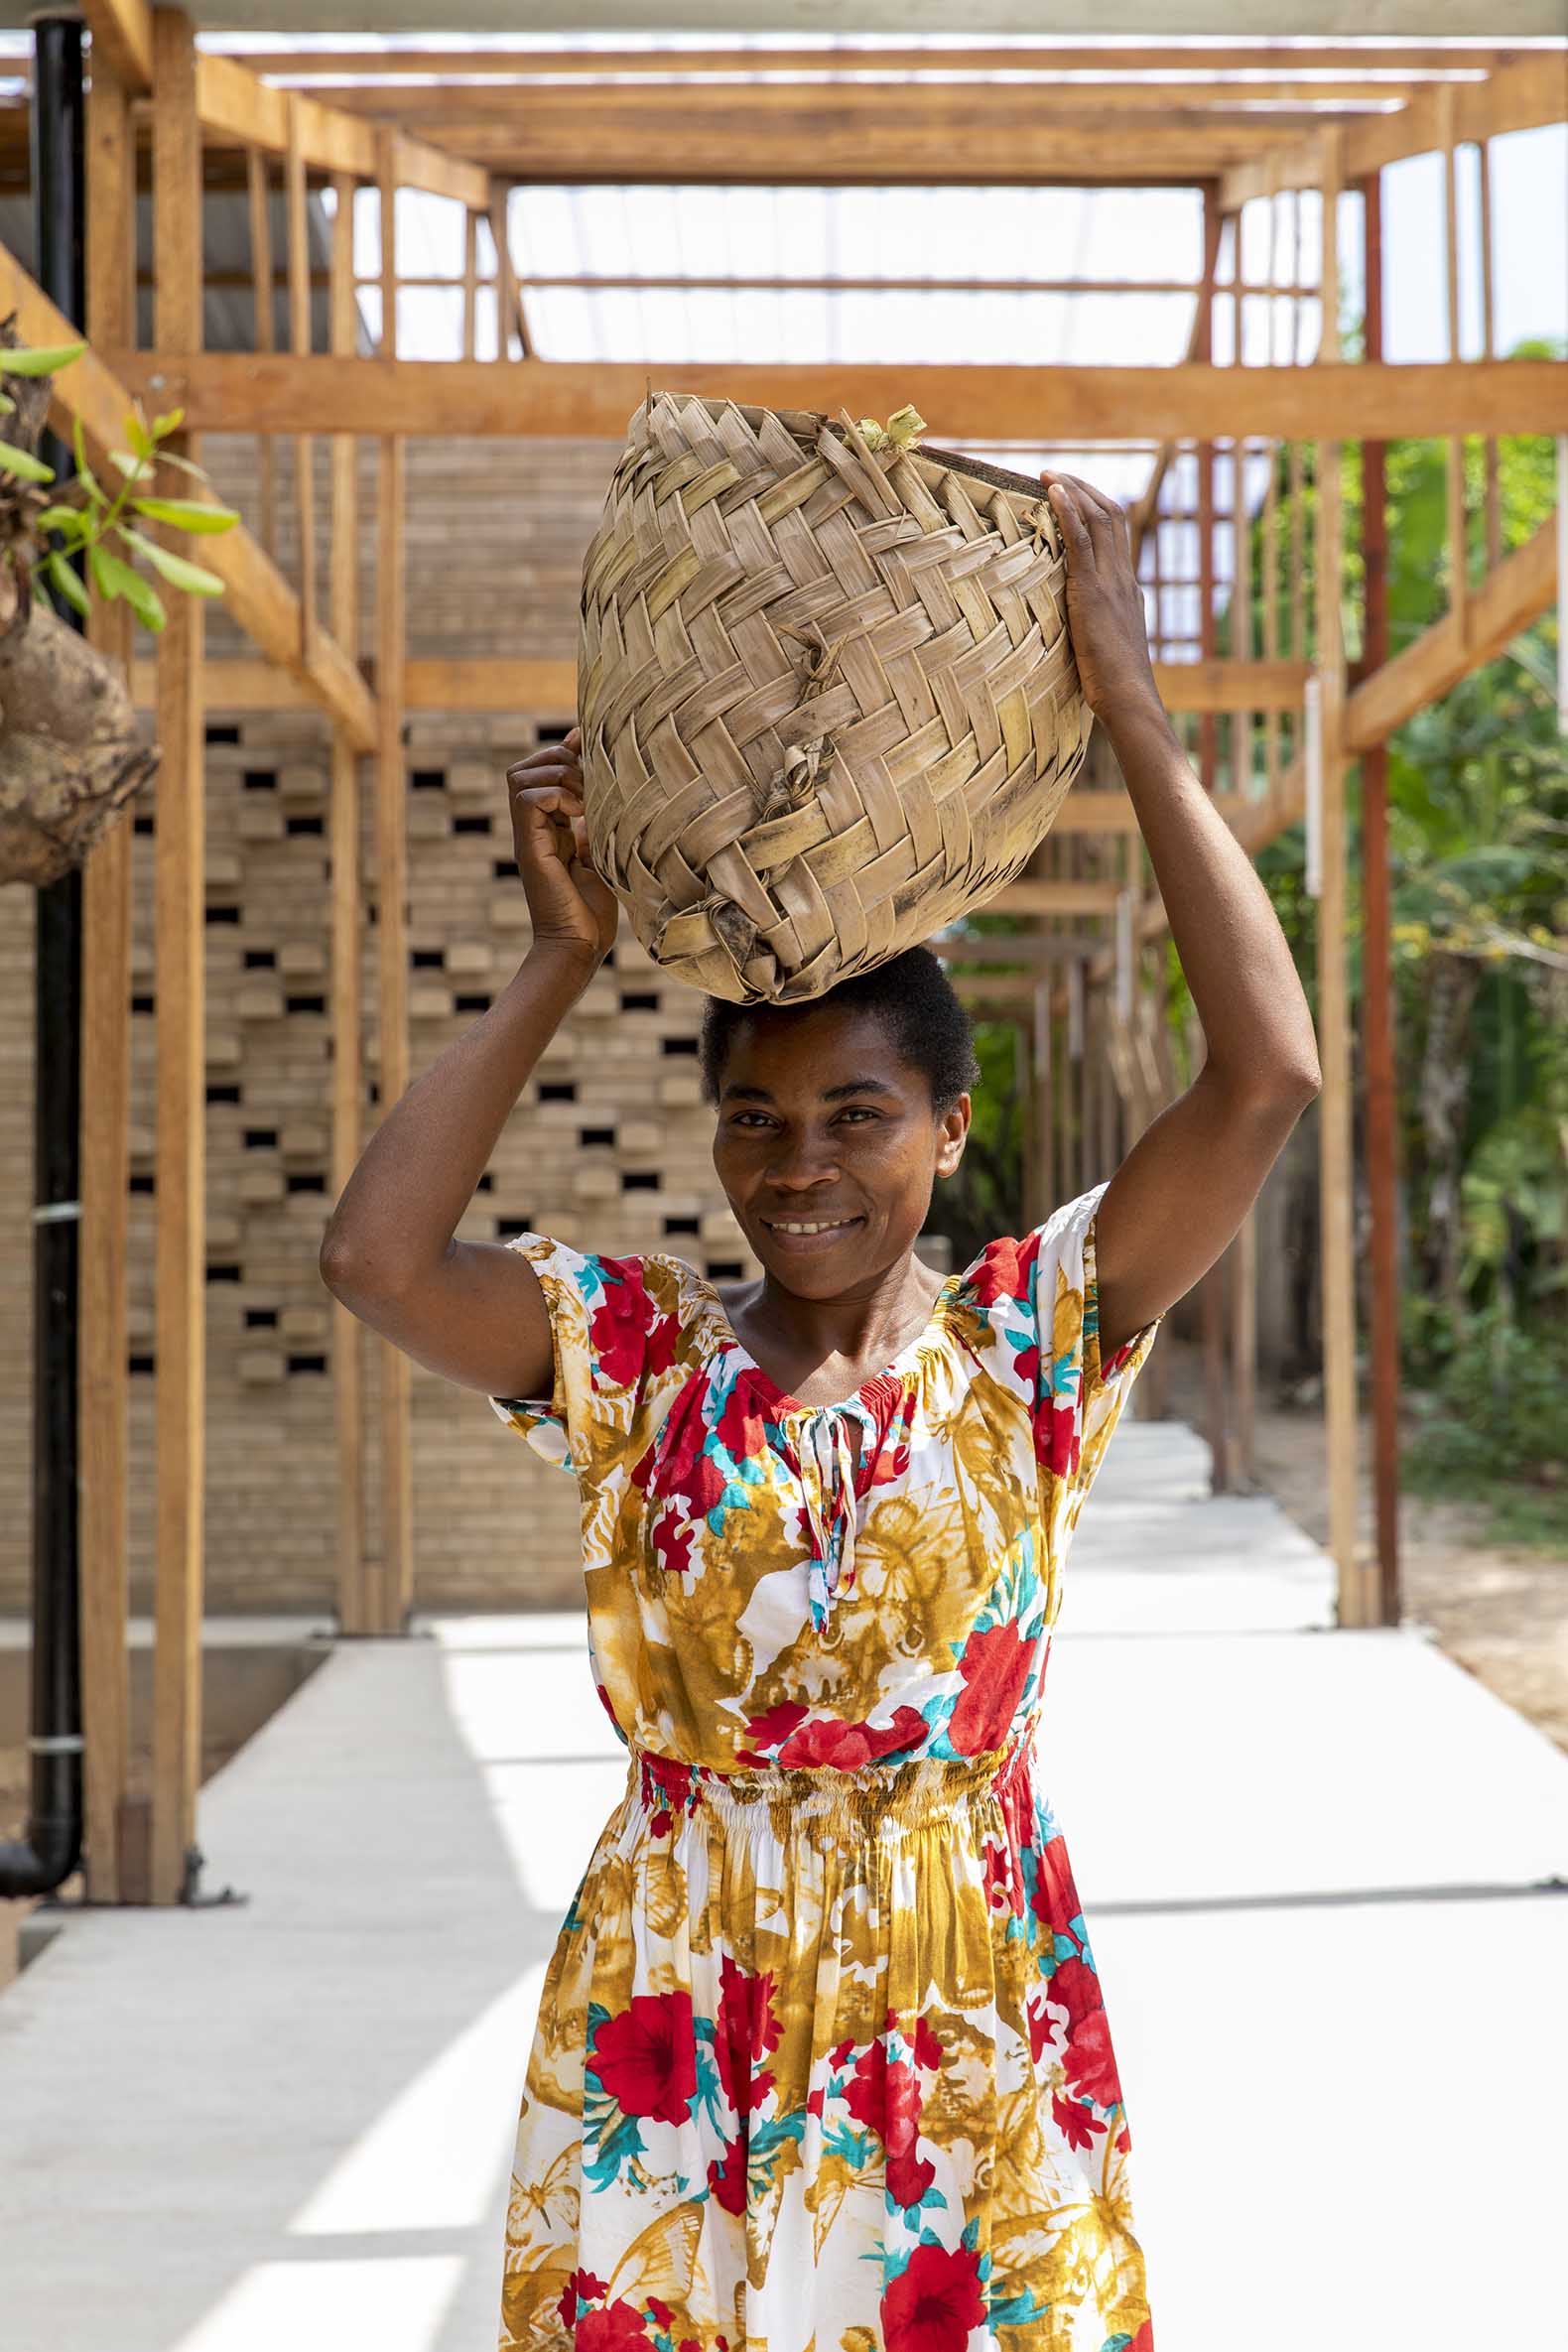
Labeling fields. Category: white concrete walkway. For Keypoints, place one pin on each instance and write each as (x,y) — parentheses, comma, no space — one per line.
(1315,1867)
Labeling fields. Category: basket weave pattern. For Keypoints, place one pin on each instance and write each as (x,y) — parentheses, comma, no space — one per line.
(827,694)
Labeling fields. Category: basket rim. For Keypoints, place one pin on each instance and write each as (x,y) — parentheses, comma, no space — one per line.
(806,425)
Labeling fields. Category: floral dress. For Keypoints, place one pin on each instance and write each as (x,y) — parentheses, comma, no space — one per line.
(822,2063)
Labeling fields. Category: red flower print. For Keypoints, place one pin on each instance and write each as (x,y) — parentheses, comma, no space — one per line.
(1076,1988)
(583,2284)
(1056,1437)
(1002,1272)
(660,2313)
(934,2302)
(814,2102)
(727,2178)
(1042,2032)
(1003,1877)
(1143,2341)
(996,1667)
(646,2057)
(617,2328)
(768,1729)
(747,2031)
(1091,2061)
(908,2176)
(847,1745)
(672,1542)
(629,1334)
(1077,2124)
(840,2055)
(928,2051)
(1055,1894)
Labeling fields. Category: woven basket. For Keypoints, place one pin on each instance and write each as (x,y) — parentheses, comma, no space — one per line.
(824,685)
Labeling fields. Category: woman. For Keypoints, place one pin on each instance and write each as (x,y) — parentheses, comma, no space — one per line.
(821,2060)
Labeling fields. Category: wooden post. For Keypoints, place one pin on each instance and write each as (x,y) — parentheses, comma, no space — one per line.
(299,263)
(1212,1287)
(1269,563)
(1044,1091)
(258,178)
(1494,502)
(1382,1103)
(391,816)
(507,316)
(471,284)
(1336,1164)
(181,932)
(104,1248)
(1457,519)
(353,1598)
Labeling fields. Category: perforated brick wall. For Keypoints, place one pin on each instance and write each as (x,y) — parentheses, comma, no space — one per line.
(609,1147)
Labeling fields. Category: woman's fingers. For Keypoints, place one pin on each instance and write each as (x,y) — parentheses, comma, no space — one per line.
(1072,520)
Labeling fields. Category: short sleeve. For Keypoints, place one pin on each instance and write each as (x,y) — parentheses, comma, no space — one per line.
(1081,1393)
(614,1324)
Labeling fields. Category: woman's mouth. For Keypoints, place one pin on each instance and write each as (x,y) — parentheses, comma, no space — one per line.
(809,1233)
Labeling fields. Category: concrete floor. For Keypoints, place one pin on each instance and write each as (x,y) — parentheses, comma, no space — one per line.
(1318,1869)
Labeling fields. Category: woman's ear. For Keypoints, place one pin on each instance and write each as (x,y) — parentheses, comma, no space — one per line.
(955,1134)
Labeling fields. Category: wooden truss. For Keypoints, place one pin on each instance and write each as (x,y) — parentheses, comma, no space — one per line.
(1246,123)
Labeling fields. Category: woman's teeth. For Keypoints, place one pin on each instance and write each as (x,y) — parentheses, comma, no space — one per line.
(838,1225)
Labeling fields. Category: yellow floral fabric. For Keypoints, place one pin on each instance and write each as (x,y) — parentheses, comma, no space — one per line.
(822,2062)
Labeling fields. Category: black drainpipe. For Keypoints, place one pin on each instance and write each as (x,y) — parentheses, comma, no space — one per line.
(50,1850)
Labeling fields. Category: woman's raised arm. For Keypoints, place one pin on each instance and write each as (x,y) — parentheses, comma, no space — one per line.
(473,1311)
(1184,1189)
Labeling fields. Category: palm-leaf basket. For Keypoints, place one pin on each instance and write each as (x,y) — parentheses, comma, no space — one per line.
(826,689)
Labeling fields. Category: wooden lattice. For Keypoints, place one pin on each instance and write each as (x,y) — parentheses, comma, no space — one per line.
(826,693)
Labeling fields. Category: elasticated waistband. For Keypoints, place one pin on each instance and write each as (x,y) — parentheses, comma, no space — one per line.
(896,1792)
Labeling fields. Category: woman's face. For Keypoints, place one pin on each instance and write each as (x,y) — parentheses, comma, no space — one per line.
(824,1125)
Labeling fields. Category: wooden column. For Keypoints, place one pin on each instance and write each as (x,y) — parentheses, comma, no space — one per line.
(1044,1096)
(1458,522)
(1336,1163)
(181,930)
(1211,1289)
(471,284)
(258,181)
(348,1083)
(110,1845)
(507,314)
(396,1584)
(1494,502)
(1383,1102)
(299,263)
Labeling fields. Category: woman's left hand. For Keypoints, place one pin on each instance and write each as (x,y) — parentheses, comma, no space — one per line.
(1105,604)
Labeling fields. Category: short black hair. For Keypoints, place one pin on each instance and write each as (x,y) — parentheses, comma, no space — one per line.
(910,994)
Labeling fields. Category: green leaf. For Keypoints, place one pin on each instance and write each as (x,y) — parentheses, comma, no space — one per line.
(69,519)
(115,578)
(84,473)
(6,405)
(187,514)
(163,426)
(194,579)
(39,594)
(66,578)
(136,434)
(41,363)
(24,464)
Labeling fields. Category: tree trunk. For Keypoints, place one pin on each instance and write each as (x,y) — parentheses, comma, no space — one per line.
(1452,984)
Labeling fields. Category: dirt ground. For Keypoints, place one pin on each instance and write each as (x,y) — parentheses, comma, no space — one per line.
(1501,1614)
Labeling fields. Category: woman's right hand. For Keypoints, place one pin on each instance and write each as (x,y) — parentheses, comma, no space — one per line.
(570,905)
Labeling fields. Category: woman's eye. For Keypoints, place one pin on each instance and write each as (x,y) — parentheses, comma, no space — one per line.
(858,1111)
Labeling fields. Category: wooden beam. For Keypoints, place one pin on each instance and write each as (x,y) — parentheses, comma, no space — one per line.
(1458,517)
(1054,898)
(180,960)
(258,597)
(434,63)
(242,392)
(1286,104)
(104,1248)
(122,41)
(1517,97)
(239,109)
(784,136)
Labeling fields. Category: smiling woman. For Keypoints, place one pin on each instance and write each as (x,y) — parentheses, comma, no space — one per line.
(822,2055)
